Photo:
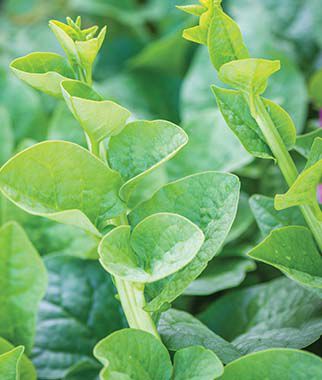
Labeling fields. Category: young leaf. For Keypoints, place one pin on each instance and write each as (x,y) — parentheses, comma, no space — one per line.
(196,363)
(180,330)
(221,273)
(22,286)
(99,118)
(249,75)
(158,246)
(66,184)
(304,143)
(141,147)
(287,364)
(78,310)
(26,369)
(279,313)
(9,364)
(225,42)
(269,219)
(293,251)
(303,190)
(134,354)
(43,71)
(210,201)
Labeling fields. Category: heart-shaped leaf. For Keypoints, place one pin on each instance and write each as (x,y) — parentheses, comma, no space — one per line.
(158,246)
(67,184)
(141,147)
(43,71)
(99,118)
(22,286)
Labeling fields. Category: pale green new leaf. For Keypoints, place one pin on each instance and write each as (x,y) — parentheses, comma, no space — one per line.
(210,201)
(293,251)
(158,246)
(26,368)
(133,354)
(43,71)
(315,86)
(196,363)
(281,364)
(64,182)
(99,118)
(9,364)
(141,147)
(249,75)
(225,41)
(23,282)
(303,190)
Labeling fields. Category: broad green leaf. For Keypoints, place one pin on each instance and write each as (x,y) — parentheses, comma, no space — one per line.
(249,75)
(158,246)
(225,42)
(293,251)
(78,310)
(84,370)
(26,369)
(315,86)
(43,71)
(269,219)
(304,143)
(66,184)
(220,274)
(196,363)
(303,190)
(235,110)
(180,330)
(133,354)
(22,286)
(282,364)
(210,201)
(141,147)
(6,136)
(279,313)
(9,364)
(99,118)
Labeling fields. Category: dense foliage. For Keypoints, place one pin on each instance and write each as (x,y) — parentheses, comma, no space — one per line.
(127,249)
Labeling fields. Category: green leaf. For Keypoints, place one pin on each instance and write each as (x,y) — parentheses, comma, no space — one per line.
(303,190)
(66,184)
(26,369)
(210,201)
(196,363)
(180,330)
(304,143)
(288,364)
(6,136)
(269,219)
(249,75)
(315,86)
(158,246)
(79,309)
(279,313)
(225,41)
(220,274)
(133,354)
(22,285)
(9,364)
(43,71)
(141,147)
(99,118)
(293,251)
(235,110)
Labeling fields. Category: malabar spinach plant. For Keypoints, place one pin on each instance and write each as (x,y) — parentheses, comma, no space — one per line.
(266,131)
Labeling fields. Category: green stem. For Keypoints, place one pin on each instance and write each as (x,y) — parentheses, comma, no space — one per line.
(94,146)
(133,300)
(284,160)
